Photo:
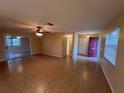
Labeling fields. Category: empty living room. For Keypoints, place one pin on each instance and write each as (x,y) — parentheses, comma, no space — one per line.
(61,46)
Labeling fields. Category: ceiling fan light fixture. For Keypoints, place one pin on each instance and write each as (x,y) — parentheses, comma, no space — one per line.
(18,37)
(39,34)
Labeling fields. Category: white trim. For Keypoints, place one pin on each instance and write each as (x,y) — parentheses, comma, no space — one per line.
(52,55)
(107,78)
(99,47)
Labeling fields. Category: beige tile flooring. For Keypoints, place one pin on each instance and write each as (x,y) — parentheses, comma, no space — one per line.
(45,74)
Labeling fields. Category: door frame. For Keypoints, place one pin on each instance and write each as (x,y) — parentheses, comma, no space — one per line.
(98,46)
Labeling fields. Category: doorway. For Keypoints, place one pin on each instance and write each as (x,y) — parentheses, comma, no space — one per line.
(89,47)
(17,47)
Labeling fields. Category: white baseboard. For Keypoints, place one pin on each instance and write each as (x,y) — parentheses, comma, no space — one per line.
(52,55)
(107,79)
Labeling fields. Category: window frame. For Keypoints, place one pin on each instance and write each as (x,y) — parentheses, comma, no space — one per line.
(109,45)
(12,43)
(18,43)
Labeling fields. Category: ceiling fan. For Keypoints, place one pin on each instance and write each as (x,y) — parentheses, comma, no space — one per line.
(40,32)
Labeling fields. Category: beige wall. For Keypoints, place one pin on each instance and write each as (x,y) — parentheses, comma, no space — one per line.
(55,44)
(64,46)
(67,45)
(51,44)
(35,44)
(115,74)
(83,44)
(70,44)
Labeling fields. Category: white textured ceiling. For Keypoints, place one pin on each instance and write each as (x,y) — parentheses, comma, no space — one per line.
(67,15)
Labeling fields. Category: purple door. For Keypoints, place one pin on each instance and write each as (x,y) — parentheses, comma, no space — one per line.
(92,49)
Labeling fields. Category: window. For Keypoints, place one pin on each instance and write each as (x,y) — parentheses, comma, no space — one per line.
(111,45)
(13,41)
(8,42)
(16,42)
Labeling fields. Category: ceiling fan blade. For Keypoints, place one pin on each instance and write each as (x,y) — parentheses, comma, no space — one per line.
(50,24)
(46,32)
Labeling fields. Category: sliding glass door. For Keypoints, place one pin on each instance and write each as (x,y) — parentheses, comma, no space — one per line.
(17,47)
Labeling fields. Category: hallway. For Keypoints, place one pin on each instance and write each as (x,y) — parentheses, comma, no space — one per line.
(45,74)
